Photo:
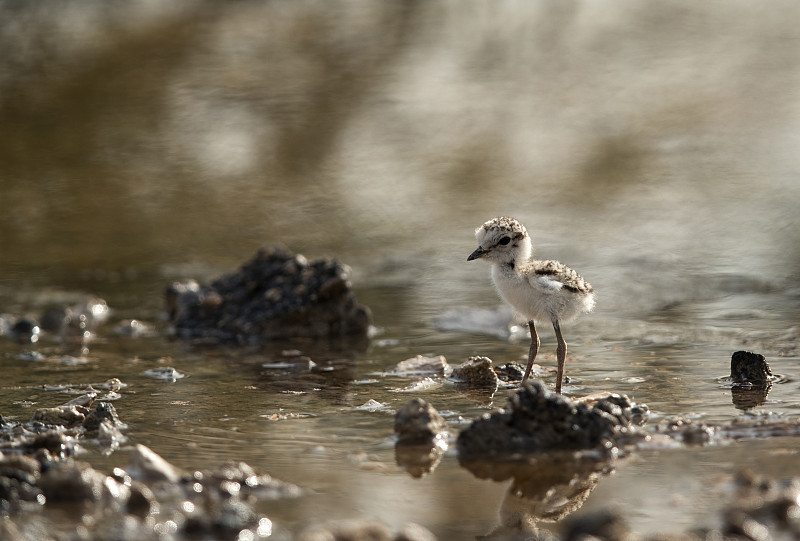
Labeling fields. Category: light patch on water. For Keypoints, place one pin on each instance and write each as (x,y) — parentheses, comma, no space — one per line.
(372,406)
(165,374)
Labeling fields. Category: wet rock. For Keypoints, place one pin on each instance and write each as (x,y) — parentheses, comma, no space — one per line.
(86,400)
(364,530)
(180,296)
(207,504)
(109,436)
(476,373)
(25,330)
(249,482)
(103,411)
(222,499)
(68,415)
(50,443)
(142,502)
(18,478)
(274,295)
(418,421)
(146,465)
(537,420)
(749,368)
(688,431)
(422,365)
(510,372)
(71,481)
(421,439)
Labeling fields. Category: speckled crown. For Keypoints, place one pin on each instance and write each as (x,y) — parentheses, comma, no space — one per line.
(503,223)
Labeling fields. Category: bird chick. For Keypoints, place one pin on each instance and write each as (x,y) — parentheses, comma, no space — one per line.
(541,290)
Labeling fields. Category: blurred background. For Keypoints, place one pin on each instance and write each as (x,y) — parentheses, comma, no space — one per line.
(141,133)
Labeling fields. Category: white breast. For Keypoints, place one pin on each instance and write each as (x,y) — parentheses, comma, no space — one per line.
(540,298)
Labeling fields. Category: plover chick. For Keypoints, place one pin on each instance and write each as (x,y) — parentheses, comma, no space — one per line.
(540,290)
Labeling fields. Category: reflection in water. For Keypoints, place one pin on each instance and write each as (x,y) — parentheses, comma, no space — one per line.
(547,487)
(746,397)
(421,458)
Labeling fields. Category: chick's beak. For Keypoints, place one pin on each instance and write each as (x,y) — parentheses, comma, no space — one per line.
(480,252)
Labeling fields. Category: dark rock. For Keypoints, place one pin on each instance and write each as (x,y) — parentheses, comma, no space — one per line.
(53,443)
(264,486)
(179,296)
(476,373)
(418,421)
(142,502)
(510,372)
(53,320)
(102,411)
(748,367)
(18,477)
(71,481)
(537,421)
(25,330)
(274,295)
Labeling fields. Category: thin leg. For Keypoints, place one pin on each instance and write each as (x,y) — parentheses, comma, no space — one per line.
(533,351)
(561,352)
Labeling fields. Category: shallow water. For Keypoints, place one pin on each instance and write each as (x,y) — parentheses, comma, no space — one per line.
(653,148)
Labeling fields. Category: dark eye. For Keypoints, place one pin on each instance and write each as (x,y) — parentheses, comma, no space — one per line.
(504,240)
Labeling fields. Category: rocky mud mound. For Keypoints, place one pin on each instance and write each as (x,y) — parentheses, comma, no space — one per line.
(274,295)
(143,500)
(537,420)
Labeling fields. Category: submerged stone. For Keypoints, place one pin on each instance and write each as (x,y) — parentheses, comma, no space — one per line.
(274,295)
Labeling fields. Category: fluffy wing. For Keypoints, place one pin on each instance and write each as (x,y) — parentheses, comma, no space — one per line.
(553,271)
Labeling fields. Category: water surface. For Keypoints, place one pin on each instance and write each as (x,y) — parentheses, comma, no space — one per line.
(653,148)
